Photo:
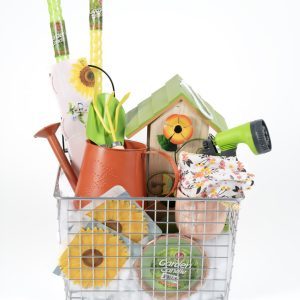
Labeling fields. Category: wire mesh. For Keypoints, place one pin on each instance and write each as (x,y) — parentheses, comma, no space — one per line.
(146,248)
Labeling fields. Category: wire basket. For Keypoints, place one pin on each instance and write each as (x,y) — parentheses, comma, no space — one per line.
(146,248)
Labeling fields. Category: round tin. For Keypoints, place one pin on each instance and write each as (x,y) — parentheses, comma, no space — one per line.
(172,266)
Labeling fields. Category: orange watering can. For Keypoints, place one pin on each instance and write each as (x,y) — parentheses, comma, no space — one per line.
(103,168)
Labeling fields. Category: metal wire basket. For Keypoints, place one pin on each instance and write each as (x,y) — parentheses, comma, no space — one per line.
(146,248)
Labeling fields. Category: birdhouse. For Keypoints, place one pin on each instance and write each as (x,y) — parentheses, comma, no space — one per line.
(177,118)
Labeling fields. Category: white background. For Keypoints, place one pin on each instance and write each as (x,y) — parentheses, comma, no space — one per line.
(242,56)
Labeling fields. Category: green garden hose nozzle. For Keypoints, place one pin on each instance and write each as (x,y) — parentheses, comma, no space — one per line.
(255,134)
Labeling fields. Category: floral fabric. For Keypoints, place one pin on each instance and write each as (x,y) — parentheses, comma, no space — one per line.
(204,176)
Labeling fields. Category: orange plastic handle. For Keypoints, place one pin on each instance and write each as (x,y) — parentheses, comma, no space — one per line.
(173,165)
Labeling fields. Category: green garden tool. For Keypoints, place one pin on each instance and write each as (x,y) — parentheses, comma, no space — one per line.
(106,121)
(106,117)
(255,134)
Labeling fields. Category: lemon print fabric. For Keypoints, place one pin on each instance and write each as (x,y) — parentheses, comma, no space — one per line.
(93,258)
(124,217)
(178,129)
(83,78)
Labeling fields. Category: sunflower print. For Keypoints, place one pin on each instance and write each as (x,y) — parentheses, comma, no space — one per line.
(83,78)
(124,217)
(178,129)
(93,258)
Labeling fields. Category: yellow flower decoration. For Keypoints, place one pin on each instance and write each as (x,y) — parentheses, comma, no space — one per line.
(212,161)
(213,193)
(225,188)
(199,184)
(207,171)
(122,216)
(93,258)
(178,129)
(83,78)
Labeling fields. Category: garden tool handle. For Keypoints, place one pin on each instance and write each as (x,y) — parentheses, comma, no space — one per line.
(173,165)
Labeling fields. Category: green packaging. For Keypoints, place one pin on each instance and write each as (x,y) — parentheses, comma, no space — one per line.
(172,263)
(58,30)
(96,15)
(59,37)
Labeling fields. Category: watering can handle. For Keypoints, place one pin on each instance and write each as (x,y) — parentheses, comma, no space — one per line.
(173,165)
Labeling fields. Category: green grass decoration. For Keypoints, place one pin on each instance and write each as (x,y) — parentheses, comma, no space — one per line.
(108,125)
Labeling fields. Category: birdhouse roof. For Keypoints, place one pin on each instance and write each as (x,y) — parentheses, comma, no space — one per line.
(174,91)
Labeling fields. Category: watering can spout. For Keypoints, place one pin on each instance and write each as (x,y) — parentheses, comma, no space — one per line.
(49,133)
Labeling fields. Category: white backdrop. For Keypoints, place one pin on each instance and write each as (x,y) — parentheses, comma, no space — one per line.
(242,56)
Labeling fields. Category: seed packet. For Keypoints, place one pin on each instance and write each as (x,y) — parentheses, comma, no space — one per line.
(97,258)
(124,216)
